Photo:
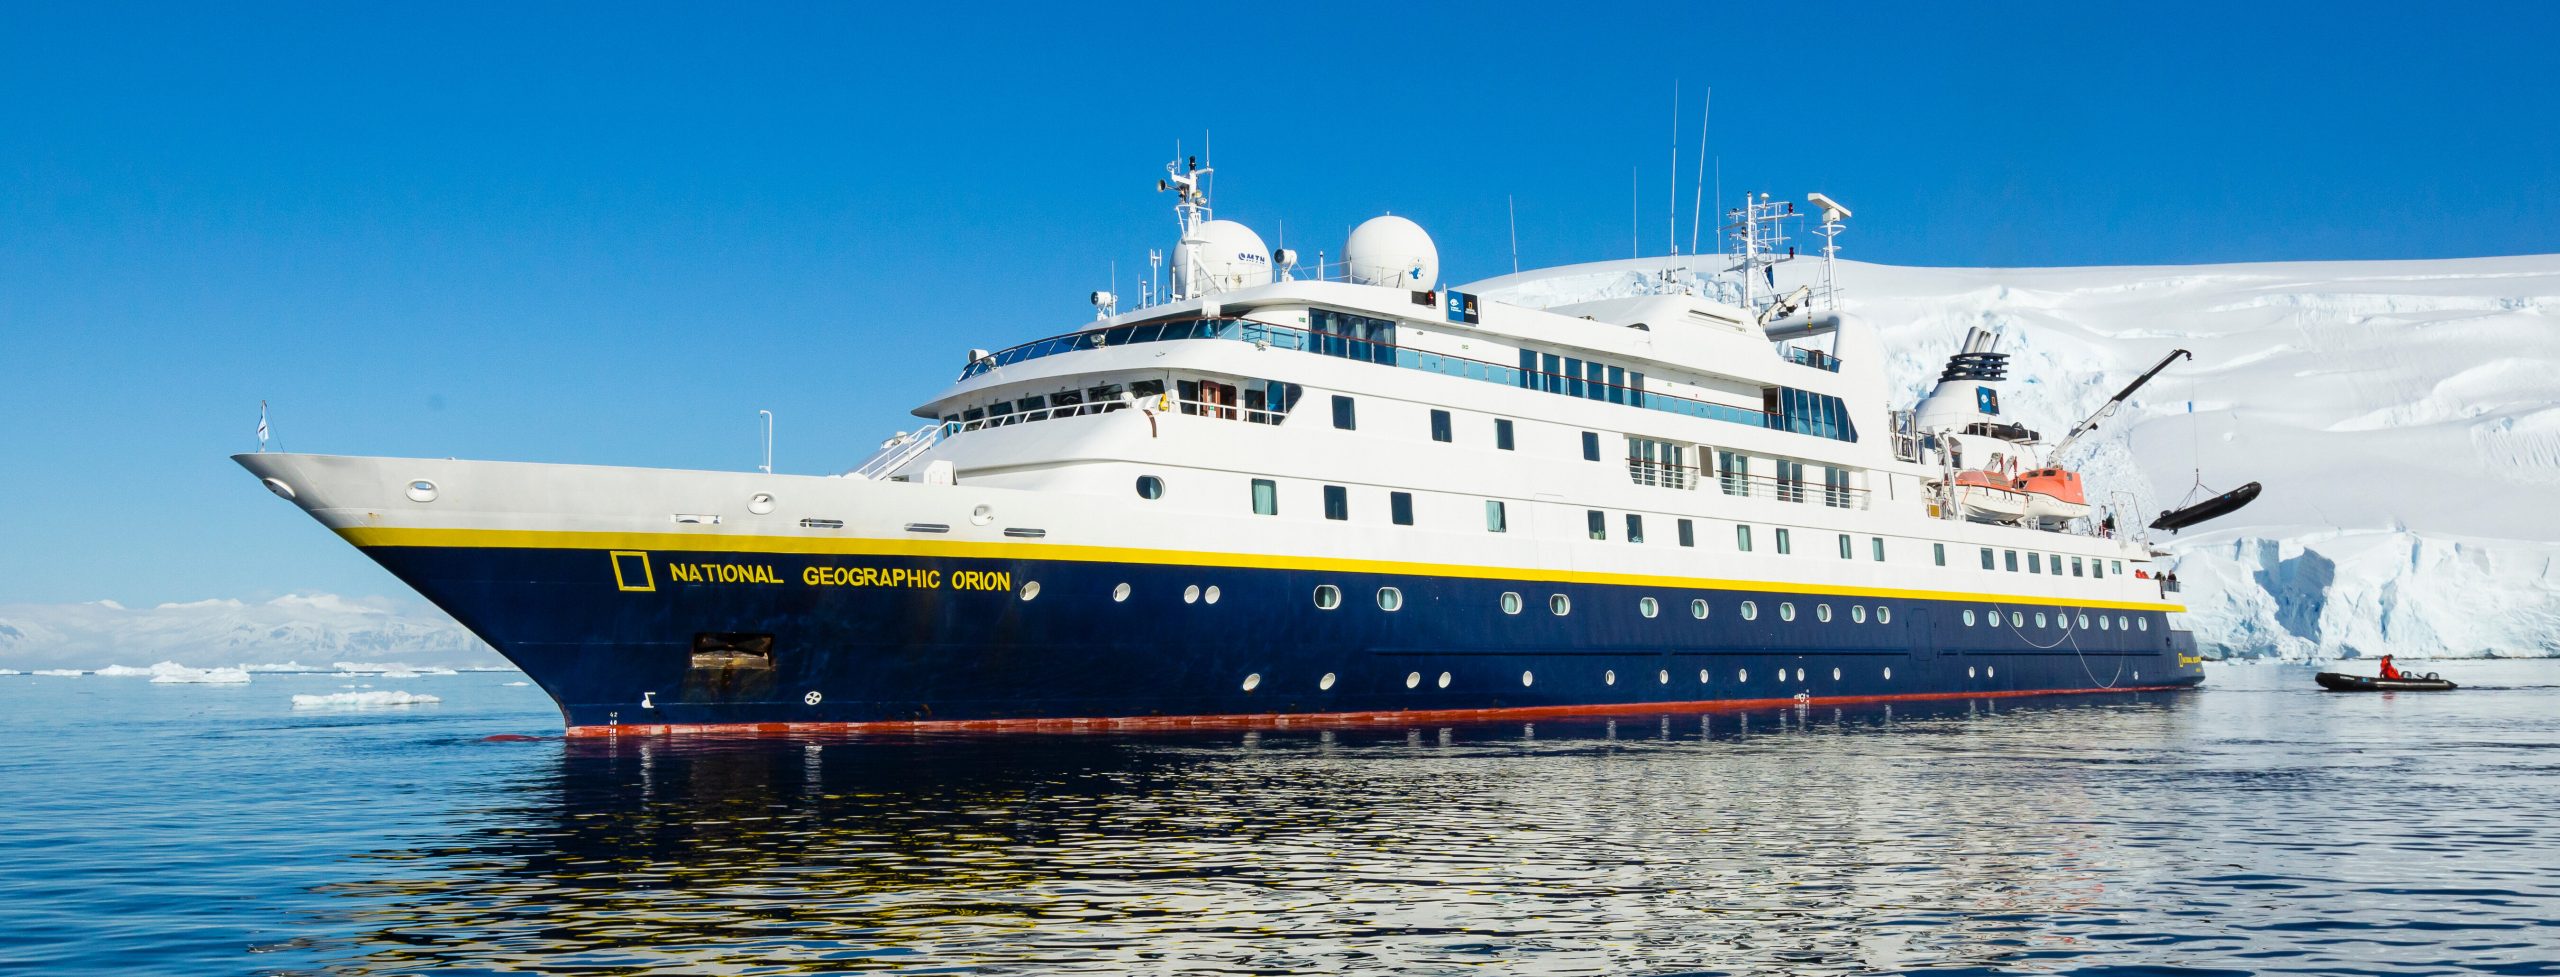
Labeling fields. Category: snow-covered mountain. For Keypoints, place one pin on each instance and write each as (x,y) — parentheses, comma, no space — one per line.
(2404,417)
(295,627)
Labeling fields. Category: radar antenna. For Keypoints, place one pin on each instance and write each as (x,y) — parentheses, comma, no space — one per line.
(1190,182)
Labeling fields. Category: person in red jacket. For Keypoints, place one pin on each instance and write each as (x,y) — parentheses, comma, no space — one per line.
(2389,670)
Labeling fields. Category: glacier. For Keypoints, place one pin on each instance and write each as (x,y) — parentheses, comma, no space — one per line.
(2404,417)
(236,634)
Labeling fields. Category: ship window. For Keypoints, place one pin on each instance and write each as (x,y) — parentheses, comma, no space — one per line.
(1736,472)
(2011,556)
(1400,508)
(1986,559)
(1266,497)
(1590,446)
(1822,613)
(1030,589)
(1440,425)
(1750,610)
(1992,618)
(2143,623)
(1494,517)
(1688,533)
(1555,380)
(1559,605)
(2122,624)
(1146,390)
(1742,538)
(2103,623)
(1120,593)
(1510,602)
(1389,598)
(1786,610)
(1784,547)
(2084,622)
(1835,487)
(2117,567)
(1845,547)
(1648,607)
(1502,433)
(1635,528)
(2035,563)
(2040,619)
(1790,481)
(1968,617)
(2075,566)
(2097,568)
(2017,620)
(1337,502)
(1939,551)
(1328,597)
(1698,609)
(1033,408)
(2054,561)
(973,415)
(1343,416)
(1150,487)
(1875,546)
(1596,523)
(1857,613)
(1884,614)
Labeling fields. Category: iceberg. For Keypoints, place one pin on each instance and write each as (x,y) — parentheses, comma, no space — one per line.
(362,700)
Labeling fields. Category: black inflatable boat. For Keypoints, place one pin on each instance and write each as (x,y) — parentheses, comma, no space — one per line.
(2340,682)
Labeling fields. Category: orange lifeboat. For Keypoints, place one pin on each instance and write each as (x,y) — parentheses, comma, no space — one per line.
(2054,496)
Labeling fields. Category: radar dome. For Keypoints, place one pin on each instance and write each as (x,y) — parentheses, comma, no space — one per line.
(1392,251)
(1224,254)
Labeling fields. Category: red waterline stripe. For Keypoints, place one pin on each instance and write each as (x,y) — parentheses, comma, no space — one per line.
(1318,719)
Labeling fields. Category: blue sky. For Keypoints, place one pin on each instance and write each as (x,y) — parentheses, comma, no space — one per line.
(610,234)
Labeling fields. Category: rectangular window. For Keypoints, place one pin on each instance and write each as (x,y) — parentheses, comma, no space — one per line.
(2097,568)
(1875,546)
(1440,425)
(1986,559)
(1598,522)
(1736,475)
(1660,463)
(1553,363)
(1635,528)
(1529,368)
(2075,566)
(2035,563)
(1590,446)
(1572,377)
(1790,481)
(1495,520)
(2054,561)
(1502,433)
(1783,547)
(1266,497)
(2116,567)
(1617,385)
(1939,550)
(1845,553)
(1742,538)
(1835,487)
(2010,557)
(1400,508)
(1597,388)
(1337,502)
(1342,415)
(1688,533)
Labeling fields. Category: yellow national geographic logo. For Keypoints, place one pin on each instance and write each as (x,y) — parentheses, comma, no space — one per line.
(631,571)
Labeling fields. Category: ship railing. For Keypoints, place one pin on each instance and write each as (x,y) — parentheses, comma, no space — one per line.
(1658,474)
(1155,403)
(898,451)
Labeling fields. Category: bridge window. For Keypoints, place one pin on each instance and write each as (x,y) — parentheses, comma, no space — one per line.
(1337,502)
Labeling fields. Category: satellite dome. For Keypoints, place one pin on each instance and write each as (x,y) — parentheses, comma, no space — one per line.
(1392,251)
(1228,255)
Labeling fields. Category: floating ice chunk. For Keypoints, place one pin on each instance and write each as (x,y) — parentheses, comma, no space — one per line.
(63,672)
(10,671)
(362,700)
(516,685)
(278,667)
(123,671)
(174,673)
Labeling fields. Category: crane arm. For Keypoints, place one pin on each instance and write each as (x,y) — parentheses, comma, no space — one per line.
(2108,409)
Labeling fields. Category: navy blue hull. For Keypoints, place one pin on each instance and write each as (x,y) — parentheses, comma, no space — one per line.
(857,639)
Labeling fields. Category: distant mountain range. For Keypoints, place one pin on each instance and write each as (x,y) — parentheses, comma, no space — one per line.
(305,627)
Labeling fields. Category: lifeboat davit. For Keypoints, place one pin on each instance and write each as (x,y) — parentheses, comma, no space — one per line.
(1987,496)
(2053,496)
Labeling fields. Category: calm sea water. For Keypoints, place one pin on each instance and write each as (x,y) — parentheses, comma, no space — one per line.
(2253,827)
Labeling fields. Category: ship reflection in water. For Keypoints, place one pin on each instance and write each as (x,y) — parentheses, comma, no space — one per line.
(1808,839)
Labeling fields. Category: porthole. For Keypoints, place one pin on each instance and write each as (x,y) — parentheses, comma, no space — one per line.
(1698,609)
(277,486)
(1750,610)
(1970,671)
(422,491)
(1510,602)
(1648,607)
(1786,610)
(1325,684)
(1390,598)
(1888,673)
(1990,671)
(2017,620)
(1120,593)
(1328,596)
(1030,589)
(1191,594)
(1252,681)
(761,504)
(1702,676)
(1742,675)
(979,516)
(2102,622)
(2084,622)
(2124,625)
(2142,623)
(1444,680)
(1993,620)
(1663,678)
(2137,676)
(1413,680)
(1609,677)
(1822,613)
(1968,617)
(1857,613)
(1150,487)
(1799,675)
(1835,675)
(1884,614)
(1559,605)
(1528,678)
(2039,618)
(1211,594)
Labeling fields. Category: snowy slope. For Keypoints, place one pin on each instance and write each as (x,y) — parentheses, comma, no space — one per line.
(2403,415)
(319,627)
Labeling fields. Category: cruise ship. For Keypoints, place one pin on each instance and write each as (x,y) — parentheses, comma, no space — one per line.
(1274,491)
